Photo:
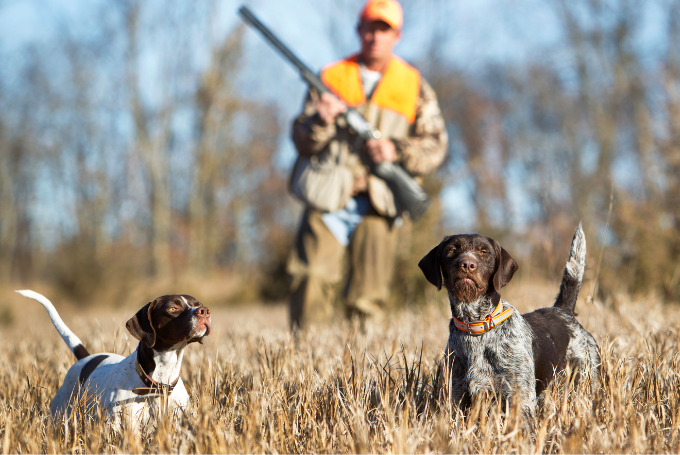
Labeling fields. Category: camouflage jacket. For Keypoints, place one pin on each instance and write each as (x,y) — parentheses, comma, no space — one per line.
(420,150)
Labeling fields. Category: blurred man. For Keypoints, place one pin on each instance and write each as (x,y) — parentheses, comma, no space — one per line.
(401,104)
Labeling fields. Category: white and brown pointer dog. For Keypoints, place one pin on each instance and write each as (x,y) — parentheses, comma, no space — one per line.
(491,347)
(134,387)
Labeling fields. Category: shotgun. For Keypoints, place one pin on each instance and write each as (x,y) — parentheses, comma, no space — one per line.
(408,194)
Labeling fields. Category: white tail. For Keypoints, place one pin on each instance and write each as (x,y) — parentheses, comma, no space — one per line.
(70,338)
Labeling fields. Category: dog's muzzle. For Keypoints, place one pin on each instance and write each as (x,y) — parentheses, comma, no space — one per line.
(203,321)
(465,287)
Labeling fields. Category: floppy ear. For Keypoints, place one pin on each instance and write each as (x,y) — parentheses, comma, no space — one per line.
(430,265)
(140,326)
(506,267)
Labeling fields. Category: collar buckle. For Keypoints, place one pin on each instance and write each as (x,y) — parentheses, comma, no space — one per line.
(489,323)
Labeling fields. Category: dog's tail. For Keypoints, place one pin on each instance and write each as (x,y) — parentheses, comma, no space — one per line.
(71,340)
(573,272)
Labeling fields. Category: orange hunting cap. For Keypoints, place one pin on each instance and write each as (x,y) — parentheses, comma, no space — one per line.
(388,11)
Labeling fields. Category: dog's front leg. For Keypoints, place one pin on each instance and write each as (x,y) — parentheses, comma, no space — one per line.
(523,401)
(459,392)
(456,382)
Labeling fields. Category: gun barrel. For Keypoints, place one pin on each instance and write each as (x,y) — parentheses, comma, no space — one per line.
(409,195)
(355,120)
(307,74)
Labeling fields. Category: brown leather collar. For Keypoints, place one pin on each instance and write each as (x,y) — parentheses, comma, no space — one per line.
(151,385)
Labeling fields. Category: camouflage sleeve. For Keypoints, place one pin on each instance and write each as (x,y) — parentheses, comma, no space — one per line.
(310,133)
(425,148)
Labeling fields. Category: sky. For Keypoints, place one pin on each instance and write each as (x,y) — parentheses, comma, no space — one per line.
(472,33)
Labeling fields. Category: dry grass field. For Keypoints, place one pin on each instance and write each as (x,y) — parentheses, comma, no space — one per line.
(254,390)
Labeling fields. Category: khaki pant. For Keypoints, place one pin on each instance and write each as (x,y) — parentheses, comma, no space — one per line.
(317,263)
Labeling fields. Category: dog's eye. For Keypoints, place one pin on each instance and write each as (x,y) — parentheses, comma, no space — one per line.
(450,250)
(484,251)
(173,309)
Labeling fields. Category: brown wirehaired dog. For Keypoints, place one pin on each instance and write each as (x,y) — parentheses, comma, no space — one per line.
(491,346)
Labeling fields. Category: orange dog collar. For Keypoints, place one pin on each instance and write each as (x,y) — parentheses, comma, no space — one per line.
(476,328)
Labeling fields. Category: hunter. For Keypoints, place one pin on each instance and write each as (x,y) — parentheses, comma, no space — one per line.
(397,100)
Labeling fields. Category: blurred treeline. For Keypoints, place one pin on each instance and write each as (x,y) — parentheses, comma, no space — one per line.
(130,156)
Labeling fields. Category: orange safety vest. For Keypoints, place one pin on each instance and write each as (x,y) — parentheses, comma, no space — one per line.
(398,90)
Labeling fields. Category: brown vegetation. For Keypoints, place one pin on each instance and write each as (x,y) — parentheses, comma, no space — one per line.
(138,153)
(113,192)
(253,390)
(594,116)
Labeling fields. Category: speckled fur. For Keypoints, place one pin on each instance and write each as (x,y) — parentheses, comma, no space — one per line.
(519,357)
(499,361)
(583,353)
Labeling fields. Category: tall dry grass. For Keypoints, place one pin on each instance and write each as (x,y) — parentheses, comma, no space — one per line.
(254,390)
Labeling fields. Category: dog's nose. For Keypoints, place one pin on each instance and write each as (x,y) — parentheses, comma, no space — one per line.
(468,264)
(203,311)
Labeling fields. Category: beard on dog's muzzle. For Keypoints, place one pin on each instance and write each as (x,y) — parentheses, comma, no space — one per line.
(465,289)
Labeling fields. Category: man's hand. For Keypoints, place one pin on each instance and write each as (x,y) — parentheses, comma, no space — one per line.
(380,150)
(329,107)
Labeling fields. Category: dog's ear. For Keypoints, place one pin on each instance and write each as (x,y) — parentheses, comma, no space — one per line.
(431,265)
(506,267)
(141,327)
